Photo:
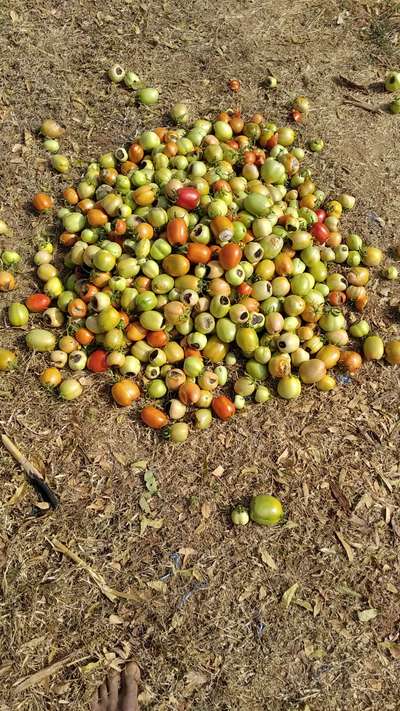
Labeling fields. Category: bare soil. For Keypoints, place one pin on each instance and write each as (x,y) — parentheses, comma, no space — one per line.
(204,616)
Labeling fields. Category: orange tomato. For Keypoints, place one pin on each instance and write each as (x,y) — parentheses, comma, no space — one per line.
(50,378)
(42,202)
(136,332)
(127,167)
(198,253)
(125,392)
(223,407)
(189,393)
(230,255)
(351,360)
(244,289)
(250,303)
(84,336)
(144,230)
(70,195)
(100,279)
(135,153)
(177,231)
(87,291)
(142,283)
(85,205)
(171,149)
(77,308)
(176,265)
(67,239)
(237,124)
(154,417)
(96,217)
(157,339)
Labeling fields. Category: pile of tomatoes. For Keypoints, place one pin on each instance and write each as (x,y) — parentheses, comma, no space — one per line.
(203,267)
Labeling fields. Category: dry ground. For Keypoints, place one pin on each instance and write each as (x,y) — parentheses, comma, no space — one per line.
(214,634)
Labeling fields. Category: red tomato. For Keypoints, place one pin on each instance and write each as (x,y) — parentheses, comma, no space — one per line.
(177,231)
(244,289)
(337,298)
(321,214)
(230,255)
(320,233)
(273,141)
(37,303)
(188,198)
(223,407)
(97,361)
(297,115)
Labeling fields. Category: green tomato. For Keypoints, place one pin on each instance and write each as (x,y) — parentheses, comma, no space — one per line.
(219,306)
(239,402)
(178,432)
(262,354)
(319,271)
(273,172)
(247,339)
(240,516)
(74,222)
(265,510)
(9,258)
(257,204)
(354,242)
(222,374)
(70,389)
(301,284)
(113,339)
(359,329)
(146,301)
(193,366)
(131,365)
(373,348)
(262,394)
(18,314)
(128,298)
(203,418)
(104,261)
(156,389)
(77,360)
(128,267)
(148,97)
(38,339)
(235,276)
(150,268)
(272,246)
(332,320)
(392,81)
(322,288)
(151,320)
(256,370)
(160,248)
(53,287)
(244,386)
(353,258)
(217,208)
(108,319)
(289,387)
(226,330)
(60,163)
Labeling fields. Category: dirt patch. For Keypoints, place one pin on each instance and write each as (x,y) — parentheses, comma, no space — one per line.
(207,623)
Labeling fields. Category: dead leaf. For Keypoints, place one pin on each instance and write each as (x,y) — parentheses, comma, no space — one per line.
(186,552)
(195,679)
(18,494)
(218,472)
(267,558)
(367,615)
(144,502)
(150,523)
(249,470)
(305,604)
(207,509)
(150,481)
(42,505)
(139,465)
(115,620)
(340,497)
(289,594)
(348,549)
(158,585)
(283,456)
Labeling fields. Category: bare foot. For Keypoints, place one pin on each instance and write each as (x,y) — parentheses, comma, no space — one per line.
(118,692)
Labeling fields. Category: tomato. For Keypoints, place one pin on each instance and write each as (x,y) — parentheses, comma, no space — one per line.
(240,516)
(154,417)
(97,361)
(42,202)
(265,510)
(223,407)
(320,233)
(70,389)
(189,393)
(96,217)
(77,308)
(51,377)
(8,359)
(177,231)
(7,281)
(179,432)
(337,298)
(176,265)
(351,360)
(230,255)
(392,352)
(157,339)
(188,198)
(373,348)
(18,314)
(321,214)
(38,339)
(198,253)
(125,392)
(84,336)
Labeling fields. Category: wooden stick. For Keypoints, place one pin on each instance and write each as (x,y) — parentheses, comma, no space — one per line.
(33,474)
(363,105)
(43,674)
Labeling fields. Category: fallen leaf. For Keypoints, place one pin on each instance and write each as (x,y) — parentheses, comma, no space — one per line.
(115,620)
(144,502)
(289,594)
(283,456)
(249,470)
(267,558)
(18,494)
(348,549)
(42,505)
(150,481)
(150,523)
(218,472)
(158,585)
(139,465)
(195,679)
(340,497)
(186,552)
(304,603)
(367,615)
(207,509)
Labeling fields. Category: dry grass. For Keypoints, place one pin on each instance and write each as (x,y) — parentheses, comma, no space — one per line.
(214,633)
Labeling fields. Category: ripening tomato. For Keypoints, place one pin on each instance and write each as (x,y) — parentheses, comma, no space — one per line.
(223,407)
(176,265)
(42,202)
(244,289)
(337,298)
(125,392)
(198,253)
(37,303)
(136,153)
(96,217)
(188,198)
(157,339)
(177,231)
(154,417)
(321,214)
(50,377)
(77,308)
(230,256)
(84,336)
(189,393)
(320,233)
(97,361)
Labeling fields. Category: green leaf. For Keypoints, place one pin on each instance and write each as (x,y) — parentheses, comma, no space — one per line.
(144,502)
(150,481)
